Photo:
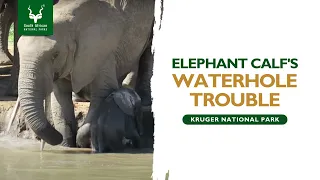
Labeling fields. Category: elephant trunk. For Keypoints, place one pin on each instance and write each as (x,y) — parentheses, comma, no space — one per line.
(35,82)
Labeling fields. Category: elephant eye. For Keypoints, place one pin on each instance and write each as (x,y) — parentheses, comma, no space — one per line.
(55,55)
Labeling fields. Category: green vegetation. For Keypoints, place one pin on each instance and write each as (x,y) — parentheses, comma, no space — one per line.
(10,39)
(167,176)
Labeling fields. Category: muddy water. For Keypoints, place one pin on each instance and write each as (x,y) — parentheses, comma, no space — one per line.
(22,160)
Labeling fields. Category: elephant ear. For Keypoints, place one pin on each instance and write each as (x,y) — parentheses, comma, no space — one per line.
(130,103)
(127,100)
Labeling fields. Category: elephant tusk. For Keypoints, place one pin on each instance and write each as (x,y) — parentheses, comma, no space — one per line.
(42,143)
(13,115)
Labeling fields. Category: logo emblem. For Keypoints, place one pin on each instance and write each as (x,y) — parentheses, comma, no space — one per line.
(35,17)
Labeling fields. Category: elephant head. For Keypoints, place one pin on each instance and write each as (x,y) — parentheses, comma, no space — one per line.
(119,120)
(38,70)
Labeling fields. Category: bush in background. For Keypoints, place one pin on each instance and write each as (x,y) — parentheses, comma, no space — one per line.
(10,39)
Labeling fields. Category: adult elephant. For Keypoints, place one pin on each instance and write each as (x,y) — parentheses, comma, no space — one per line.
(95,43)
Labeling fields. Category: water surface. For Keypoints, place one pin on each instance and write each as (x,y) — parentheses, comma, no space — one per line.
(21,159)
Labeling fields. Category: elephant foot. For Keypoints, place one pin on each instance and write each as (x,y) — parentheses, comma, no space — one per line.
(69,137)
(69,142)
(83,136)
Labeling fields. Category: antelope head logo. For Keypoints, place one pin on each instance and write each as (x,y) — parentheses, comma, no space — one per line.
(35,17)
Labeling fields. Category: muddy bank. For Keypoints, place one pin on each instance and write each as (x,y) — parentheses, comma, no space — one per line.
(19,127)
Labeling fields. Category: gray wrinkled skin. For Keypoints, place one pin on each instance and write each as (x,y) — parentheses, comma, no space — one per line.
(140,79)
(95,43)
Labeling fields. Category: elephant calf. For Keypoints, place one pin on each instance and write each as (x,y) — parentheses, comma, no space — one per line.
(119,120)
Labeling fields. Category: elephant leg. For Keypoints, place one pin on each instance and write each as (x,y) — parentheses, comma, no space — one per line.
(6,19)
(94,111)
(101,87)
(63,112)
(143,88)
